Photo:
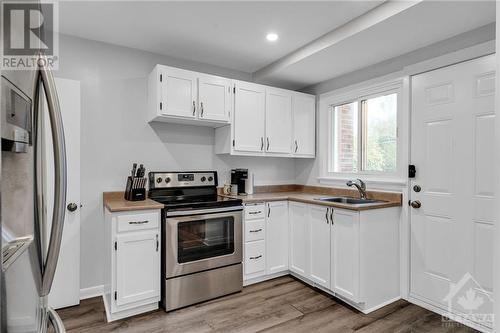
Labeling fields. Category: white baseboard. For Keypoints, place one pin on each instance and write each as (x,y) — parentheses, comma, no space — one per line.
(91,292)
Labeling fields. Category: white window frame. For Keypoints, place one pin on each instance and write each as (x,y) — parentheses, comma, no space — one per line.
(356,94)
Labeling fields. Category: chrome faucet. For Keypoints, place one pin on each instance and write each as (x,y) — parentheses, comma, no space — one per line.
(361,187)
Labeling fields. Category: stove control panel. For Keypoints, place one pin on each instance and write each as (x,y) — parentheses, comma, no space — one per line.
(182,179)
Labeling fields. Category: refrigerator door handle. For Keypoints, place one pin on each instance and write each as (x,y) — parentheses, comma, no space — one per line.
(56,321)
(44,76)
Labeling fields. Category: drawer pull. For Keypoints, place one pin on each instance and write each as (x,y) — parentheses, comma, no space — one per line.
(257,230)
(253,213)
(257,257)
(138,222)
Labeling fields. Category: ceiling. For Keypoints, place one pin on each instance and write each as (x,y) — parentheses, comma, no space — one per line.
(232,34)
(226,34)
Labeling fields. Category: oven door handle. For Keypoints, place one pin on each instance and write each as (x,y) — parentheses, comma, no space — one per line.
(203,211)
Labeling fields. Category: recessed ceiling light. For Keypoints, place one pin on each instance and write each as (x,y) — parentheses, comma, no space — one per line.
(272,37)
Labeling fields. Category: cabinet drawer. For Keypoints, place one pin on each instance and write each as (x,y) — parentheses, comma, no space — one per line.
(138,221)
(253,212)
(254,230)
(255,257)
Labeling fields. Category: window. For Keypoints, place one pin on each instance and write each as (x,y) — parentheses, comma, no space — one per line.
(364,135)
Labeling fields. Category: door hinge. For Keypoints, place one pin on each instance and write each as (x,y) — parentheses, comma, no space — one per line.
(233,142)
(412,171)
(161,105)
(116,295)
(161,78)
(116,246)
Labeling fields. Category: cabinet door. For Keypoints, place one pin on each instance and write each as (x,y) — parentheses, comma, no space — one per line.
(277,237)
(137,267)
(214,98)
(299,238)
(249,113)
(178,92)
(278,120)
(320,244)
(304,125)
(345,254)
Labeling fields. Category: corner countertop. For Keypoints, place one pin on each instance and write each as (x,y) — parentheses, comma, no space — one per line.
(115,202)
(305,195)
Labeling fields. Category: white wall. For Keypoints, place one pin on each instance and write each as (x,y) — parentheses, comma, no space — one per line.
(115,133)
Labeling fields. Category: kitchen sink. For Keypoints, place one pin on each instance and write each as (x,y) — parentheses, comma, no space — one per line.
(350,201)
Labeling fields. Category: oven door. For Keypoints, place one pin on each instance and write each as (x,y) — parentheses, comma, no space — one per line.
(206,240)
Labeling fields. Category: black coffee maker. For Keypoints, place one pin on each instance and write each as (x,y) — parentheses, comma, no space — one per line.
(238,178)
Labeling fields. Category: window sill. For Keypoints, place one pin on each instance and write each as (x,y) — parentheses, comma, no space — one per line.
(368,179)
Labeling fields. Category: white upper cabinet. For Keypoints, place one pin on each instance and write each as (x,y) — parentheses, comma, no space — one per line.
(277,237)
(249,116)
(320,217)
(278,120)
(178,92)
(304,125)
(214,98)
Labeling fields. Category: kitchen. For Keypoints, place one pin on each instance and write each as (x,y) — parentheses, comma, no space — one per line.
(283,93)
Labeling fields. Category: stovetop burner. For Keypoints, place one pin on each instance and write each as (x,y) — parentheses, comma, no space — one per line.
(187,190)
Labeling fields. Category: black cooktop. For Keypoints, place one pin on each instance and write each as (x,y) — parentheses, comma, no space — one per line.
(214,201)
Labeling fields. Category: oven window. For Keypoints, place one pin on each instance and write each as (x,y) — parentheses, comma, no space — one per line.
(204,239)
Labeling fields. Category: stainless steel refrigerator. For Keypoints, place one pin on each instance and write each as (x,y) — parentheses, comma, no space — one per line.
(29,254)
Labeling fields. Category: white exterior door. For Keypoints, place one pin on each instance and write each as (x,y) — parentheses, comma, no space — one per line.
(278,121)
(277,237)
(249,117)
(299,238)
(137,267)
(214,97)
(452,147)
(319,217)
(345,254)
(178,92)
(304,125)
(66,285)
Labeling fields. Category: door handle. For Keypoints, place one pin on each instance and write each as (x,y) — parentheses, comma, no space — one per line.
(326,215)
(267,143)
(201,109)
(72,206)
(296,146)
(261,143)
(268,210)
(44,77)
(331,215)
(416,204)
(194,108)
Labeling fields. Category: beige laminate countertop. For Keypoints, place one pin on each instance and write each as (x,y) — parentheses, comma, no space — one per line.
(390,199)
(115,202)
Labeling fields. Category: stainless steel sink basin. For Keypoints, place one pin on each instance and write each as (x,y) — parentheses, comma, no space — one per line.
(350,201)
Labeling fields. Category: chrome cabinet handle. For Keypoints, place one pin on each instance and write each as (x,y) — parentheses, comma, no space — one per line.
(267,143)
(331,215)
(261,143)
(157,243)
(56,321)
(138,222)
(44,77)
(201,109)
(253,213)
(326,215)
(194,108)
(257,257)
(296,146)
(268,210)
(256,230)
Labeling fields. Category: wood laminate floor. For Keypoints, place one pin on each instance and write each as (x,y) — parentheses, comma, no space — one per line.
(280,305)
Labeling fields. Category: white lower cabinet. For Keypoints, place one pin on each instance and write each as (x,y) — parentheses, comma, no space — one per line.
(132,263)
(299,238)
(345,254)
(319,219)
(277,237)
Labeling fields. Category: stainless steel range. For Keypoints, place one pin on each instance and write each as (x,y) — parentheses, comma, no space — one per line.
(202,238)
